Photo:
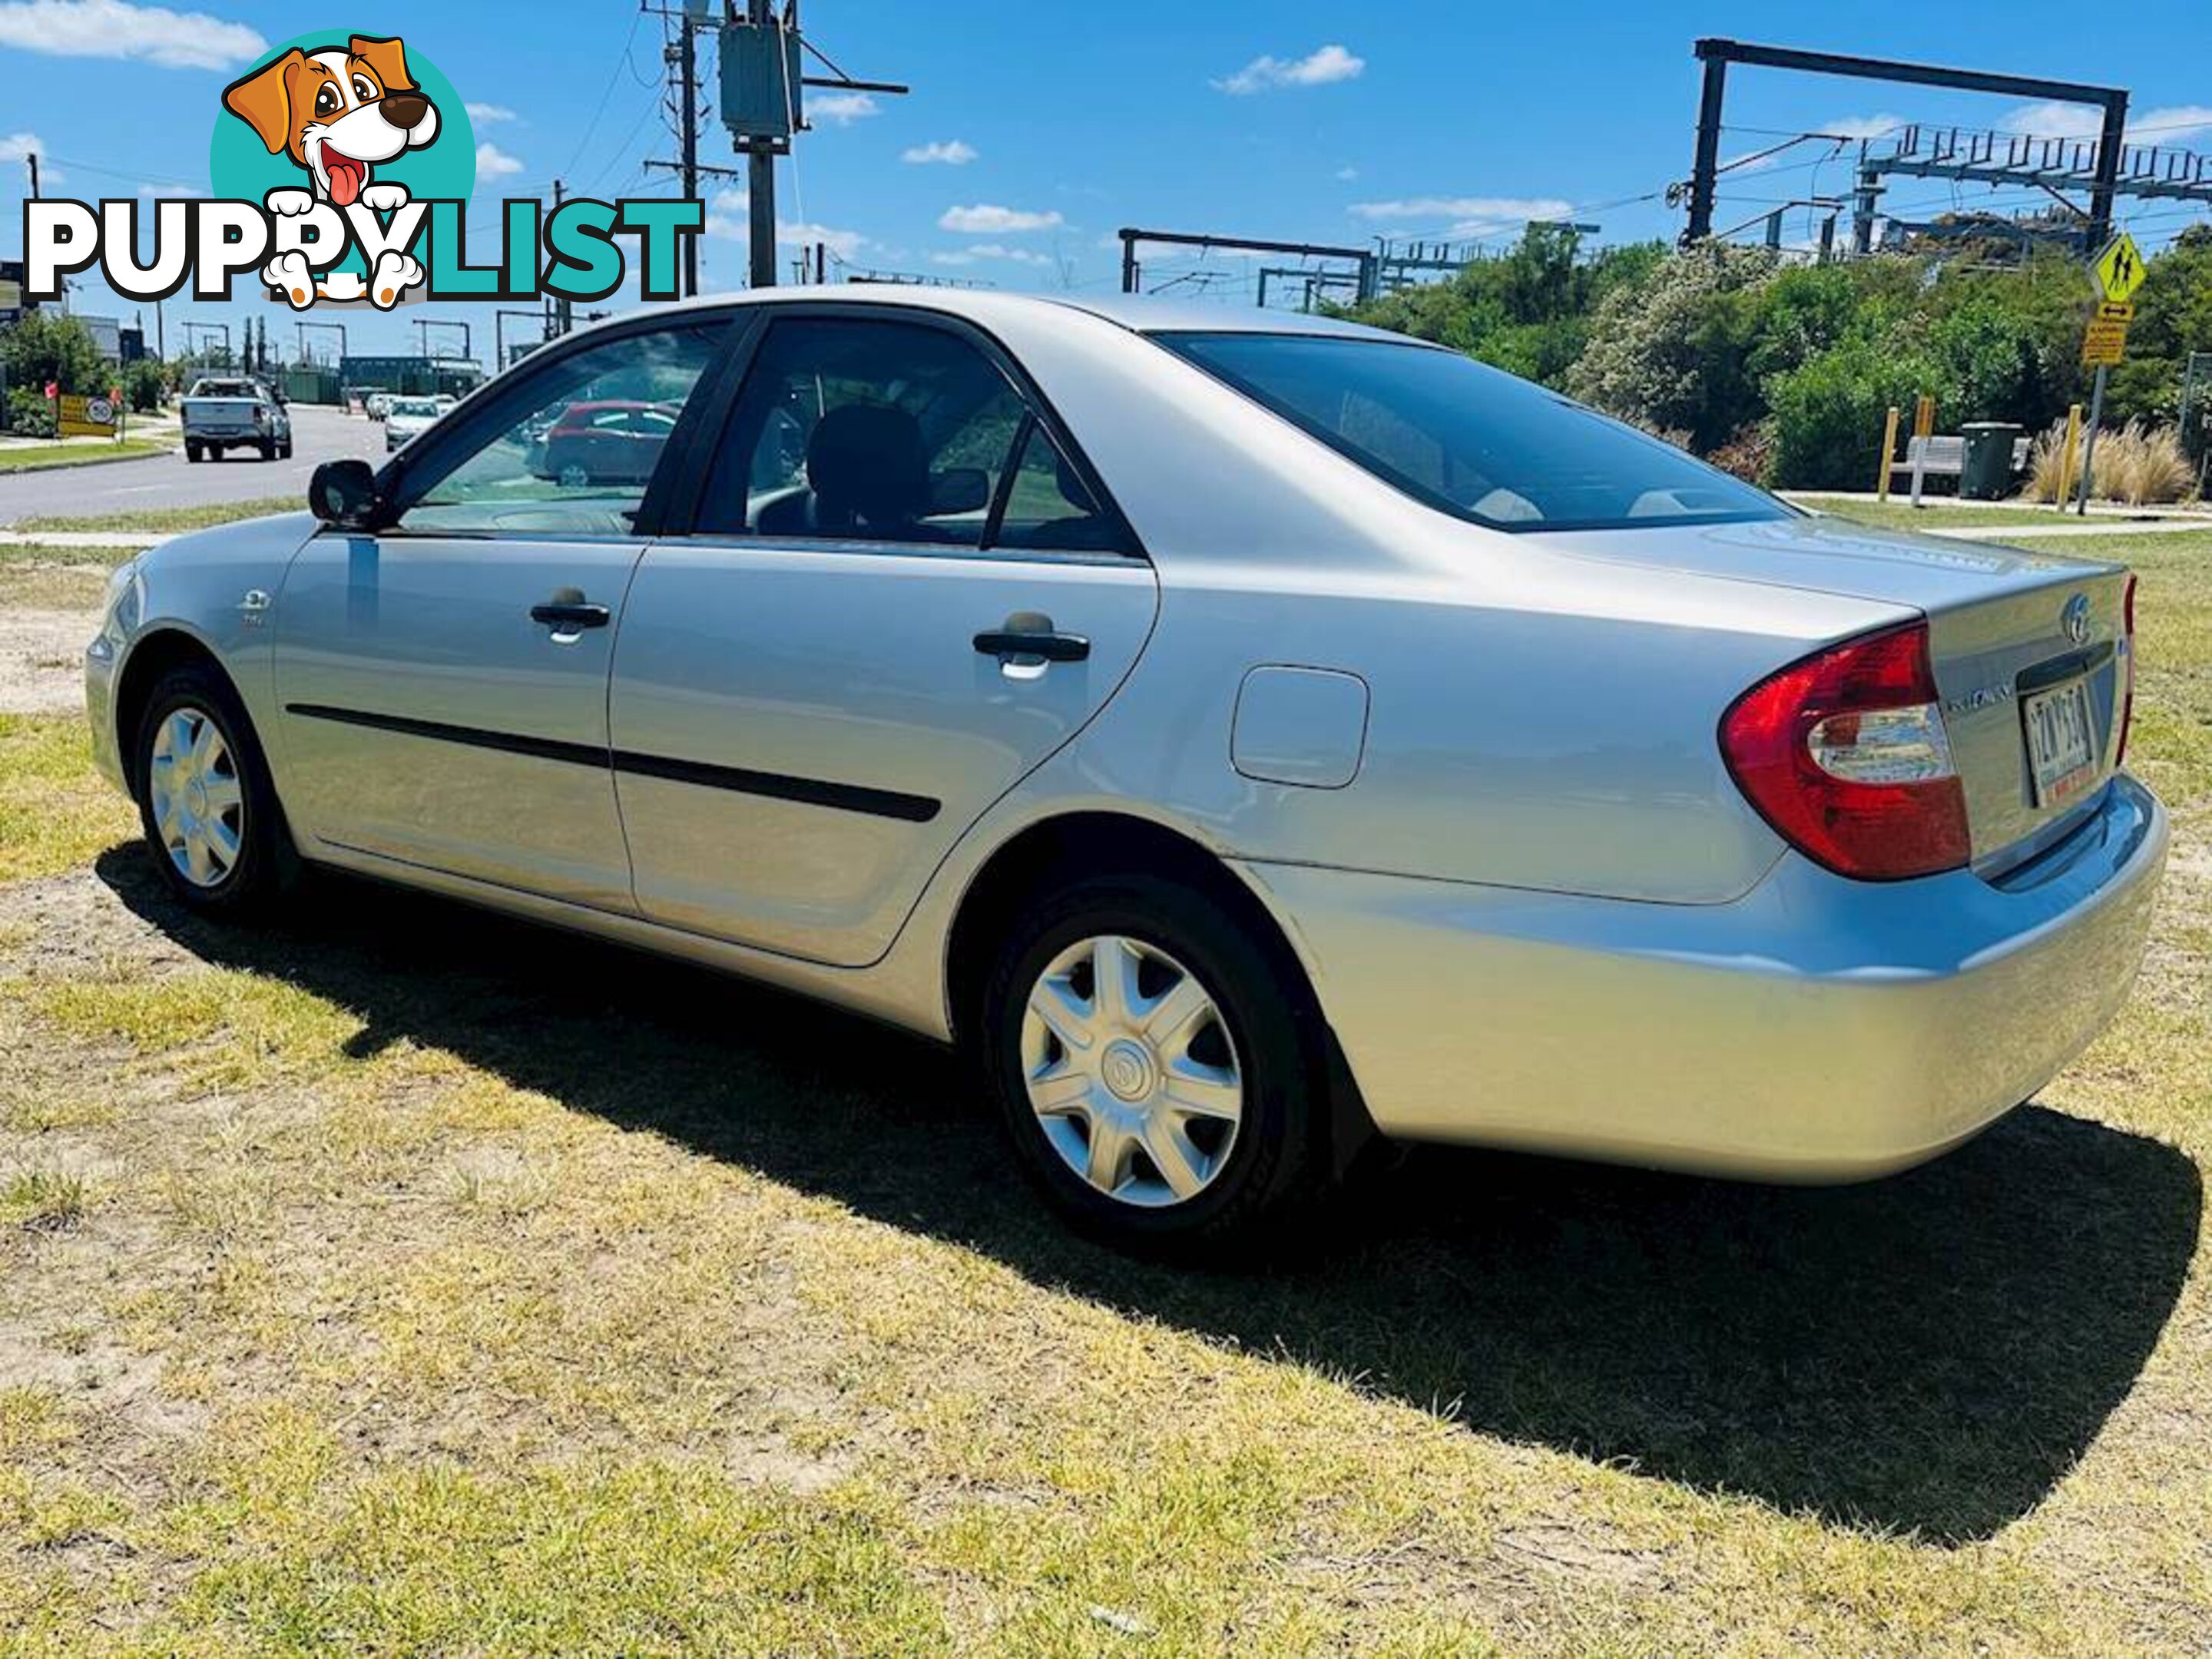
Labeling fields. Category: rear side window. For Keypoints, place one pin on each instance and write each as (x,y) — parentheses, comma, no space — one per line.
(1471,440)
(857,429)
(878,429)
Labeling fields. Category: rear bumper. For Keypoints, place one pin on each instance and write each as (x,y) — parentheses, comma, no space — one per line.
(1817,1030)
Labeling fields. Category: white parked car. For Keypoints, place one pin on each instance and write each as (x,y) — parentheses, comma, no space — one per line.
(406,419)
(1243,734)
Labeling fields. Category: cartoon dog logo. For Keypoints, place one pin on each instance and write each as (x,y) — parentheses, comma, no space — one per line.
(337,113)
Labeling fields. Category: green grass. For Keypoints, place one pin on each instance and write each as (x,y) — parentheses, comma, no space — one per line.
(27,456)
(168,520)
(431,1284)
(1897,513)
(55,812)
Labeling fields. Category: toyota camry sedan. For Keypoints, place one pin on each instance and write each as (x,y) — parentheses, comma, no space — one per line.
(1245,735)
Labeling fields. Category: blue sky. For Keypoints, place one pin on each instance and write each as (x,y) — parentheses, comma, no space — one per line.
(1034,128)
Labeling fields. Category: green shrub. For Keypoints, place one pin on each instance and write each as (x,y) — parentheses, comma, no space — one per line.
(1829,412)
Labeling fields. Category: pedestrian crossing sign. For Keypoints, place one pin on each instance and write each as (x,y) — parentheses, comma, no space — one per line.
(2120,269)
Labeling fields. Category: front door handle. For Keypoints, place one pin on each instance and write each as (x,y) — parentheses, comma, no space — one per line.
(1046,643)
(568,616)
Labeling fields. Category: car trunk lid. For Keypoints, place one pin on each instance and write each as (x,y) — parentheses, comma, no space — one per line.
(2030,650)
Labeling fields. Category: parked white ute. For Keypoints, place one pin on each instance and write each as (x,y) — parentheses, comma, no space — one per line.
(1244,734)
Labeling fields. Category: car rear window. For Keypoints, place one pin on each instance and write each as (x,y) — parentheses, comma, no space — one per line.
(1470,439)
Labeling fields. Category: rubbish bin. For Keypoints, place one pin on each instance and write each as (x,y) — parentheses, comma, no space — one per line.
(1985,471)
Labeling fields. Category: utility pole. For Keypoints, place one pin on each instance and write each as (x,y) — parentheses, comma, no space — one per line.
(760,162)
(562,312)
(688,54)
(760,61)
(33,158)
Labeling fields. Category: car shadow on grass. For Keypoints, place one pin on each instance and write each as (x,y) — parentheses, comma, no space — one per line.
(1930,1353)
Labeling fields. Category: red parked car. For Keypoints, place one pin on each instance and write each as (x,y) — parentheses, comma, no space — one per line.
(612,442)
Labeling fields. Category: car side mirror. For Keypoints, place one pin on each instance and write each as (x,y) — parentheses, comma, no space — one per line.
(342,493)
(960,490)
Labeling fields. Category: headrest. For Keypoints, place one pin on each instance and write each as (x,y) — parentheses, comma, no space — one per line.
(866,461)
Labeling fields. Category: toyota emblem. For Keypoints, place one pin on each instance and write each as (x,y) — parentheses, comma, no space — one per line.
(2076,618)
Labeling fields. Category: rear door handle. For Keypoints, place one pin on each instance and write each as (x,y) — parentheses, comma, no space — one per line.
(1051,645)
(568,615)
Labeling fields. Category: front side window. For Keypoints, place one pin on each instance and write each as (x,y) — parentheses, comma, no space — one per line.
(1472,440)
(862,429)
(577,440)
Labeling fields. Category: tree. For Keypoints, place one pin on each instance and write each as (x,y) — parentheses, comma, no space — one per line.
(41,347)
(1673,354)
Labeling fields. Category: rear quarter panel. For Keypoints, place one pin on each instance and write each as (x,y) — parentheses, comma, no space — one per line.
(1537,719)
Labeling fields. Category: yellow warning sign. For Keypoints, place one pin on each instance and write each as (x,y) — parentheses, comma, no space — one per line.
(2124,311)
(2105,344)
(2120,269)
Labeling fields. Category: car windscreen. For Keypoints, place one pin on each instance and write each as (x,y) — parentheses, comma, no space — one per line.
(1472,440)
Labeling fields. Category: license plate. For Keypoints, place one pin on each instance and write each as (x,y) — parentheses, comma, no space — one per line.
(2061,749)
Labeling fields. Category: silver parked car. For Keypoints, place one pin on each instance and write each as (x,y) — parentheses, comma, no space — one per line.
(1244,734)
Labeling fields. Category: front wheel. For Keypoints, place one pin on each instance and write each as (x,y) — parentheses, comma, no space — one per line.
(205,801)
(1157,1067)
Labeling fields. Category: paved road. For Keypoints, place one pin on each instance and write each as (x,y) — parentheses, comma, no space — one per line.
(318,435)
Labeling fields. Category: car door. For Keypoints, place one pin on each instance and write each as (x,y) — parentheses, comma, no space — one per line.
(821,688)
(441,683)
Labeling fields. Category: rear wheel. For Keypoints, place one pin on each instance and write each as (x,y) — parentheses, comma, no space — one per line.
(1156,1067)
(192,452)
(205,801)
(268,449)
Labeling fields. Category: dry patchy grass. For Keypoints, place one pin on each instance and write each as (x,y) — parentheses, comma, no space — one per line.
(434,1285)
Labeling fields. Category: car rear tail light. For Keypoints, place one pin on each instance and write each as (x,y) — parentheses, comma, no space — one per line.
(2128,668)
(1845,753)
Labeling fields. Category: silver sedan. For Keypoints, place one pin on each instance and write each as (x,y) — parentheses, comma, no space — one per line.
(1245,735)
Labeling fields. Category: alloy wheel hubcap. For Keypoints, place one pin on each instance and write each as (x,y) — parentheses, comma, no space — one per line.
(199,804)
(1131,1070)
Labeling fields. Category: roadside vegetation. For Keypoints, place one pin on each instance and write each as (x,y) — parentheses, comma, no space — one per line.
(164,520)
(1783,372)
(29,458)
(395,1280)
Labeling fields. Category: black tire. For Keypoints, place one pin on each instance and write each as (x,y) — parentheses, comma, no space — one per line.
(268,449)
(1277,1166)
(192,452)
(214,451)
(284,450)
(265,861)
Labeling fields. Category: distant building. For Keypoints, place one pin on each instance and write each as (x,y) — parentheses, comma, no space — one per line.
(13,304)
(106,333)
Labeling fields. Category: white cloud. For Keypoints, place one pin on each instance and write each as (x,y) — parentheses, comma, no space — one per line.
(485,114)
(1344,176)
(493,163)
(2170,126)
(20,145)
(1316,69)
(113,28)
(968,256)
(984,220)
(845,243)
(1861,126)
(1469,215)
(840,109)
(726,221)
(951,152)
